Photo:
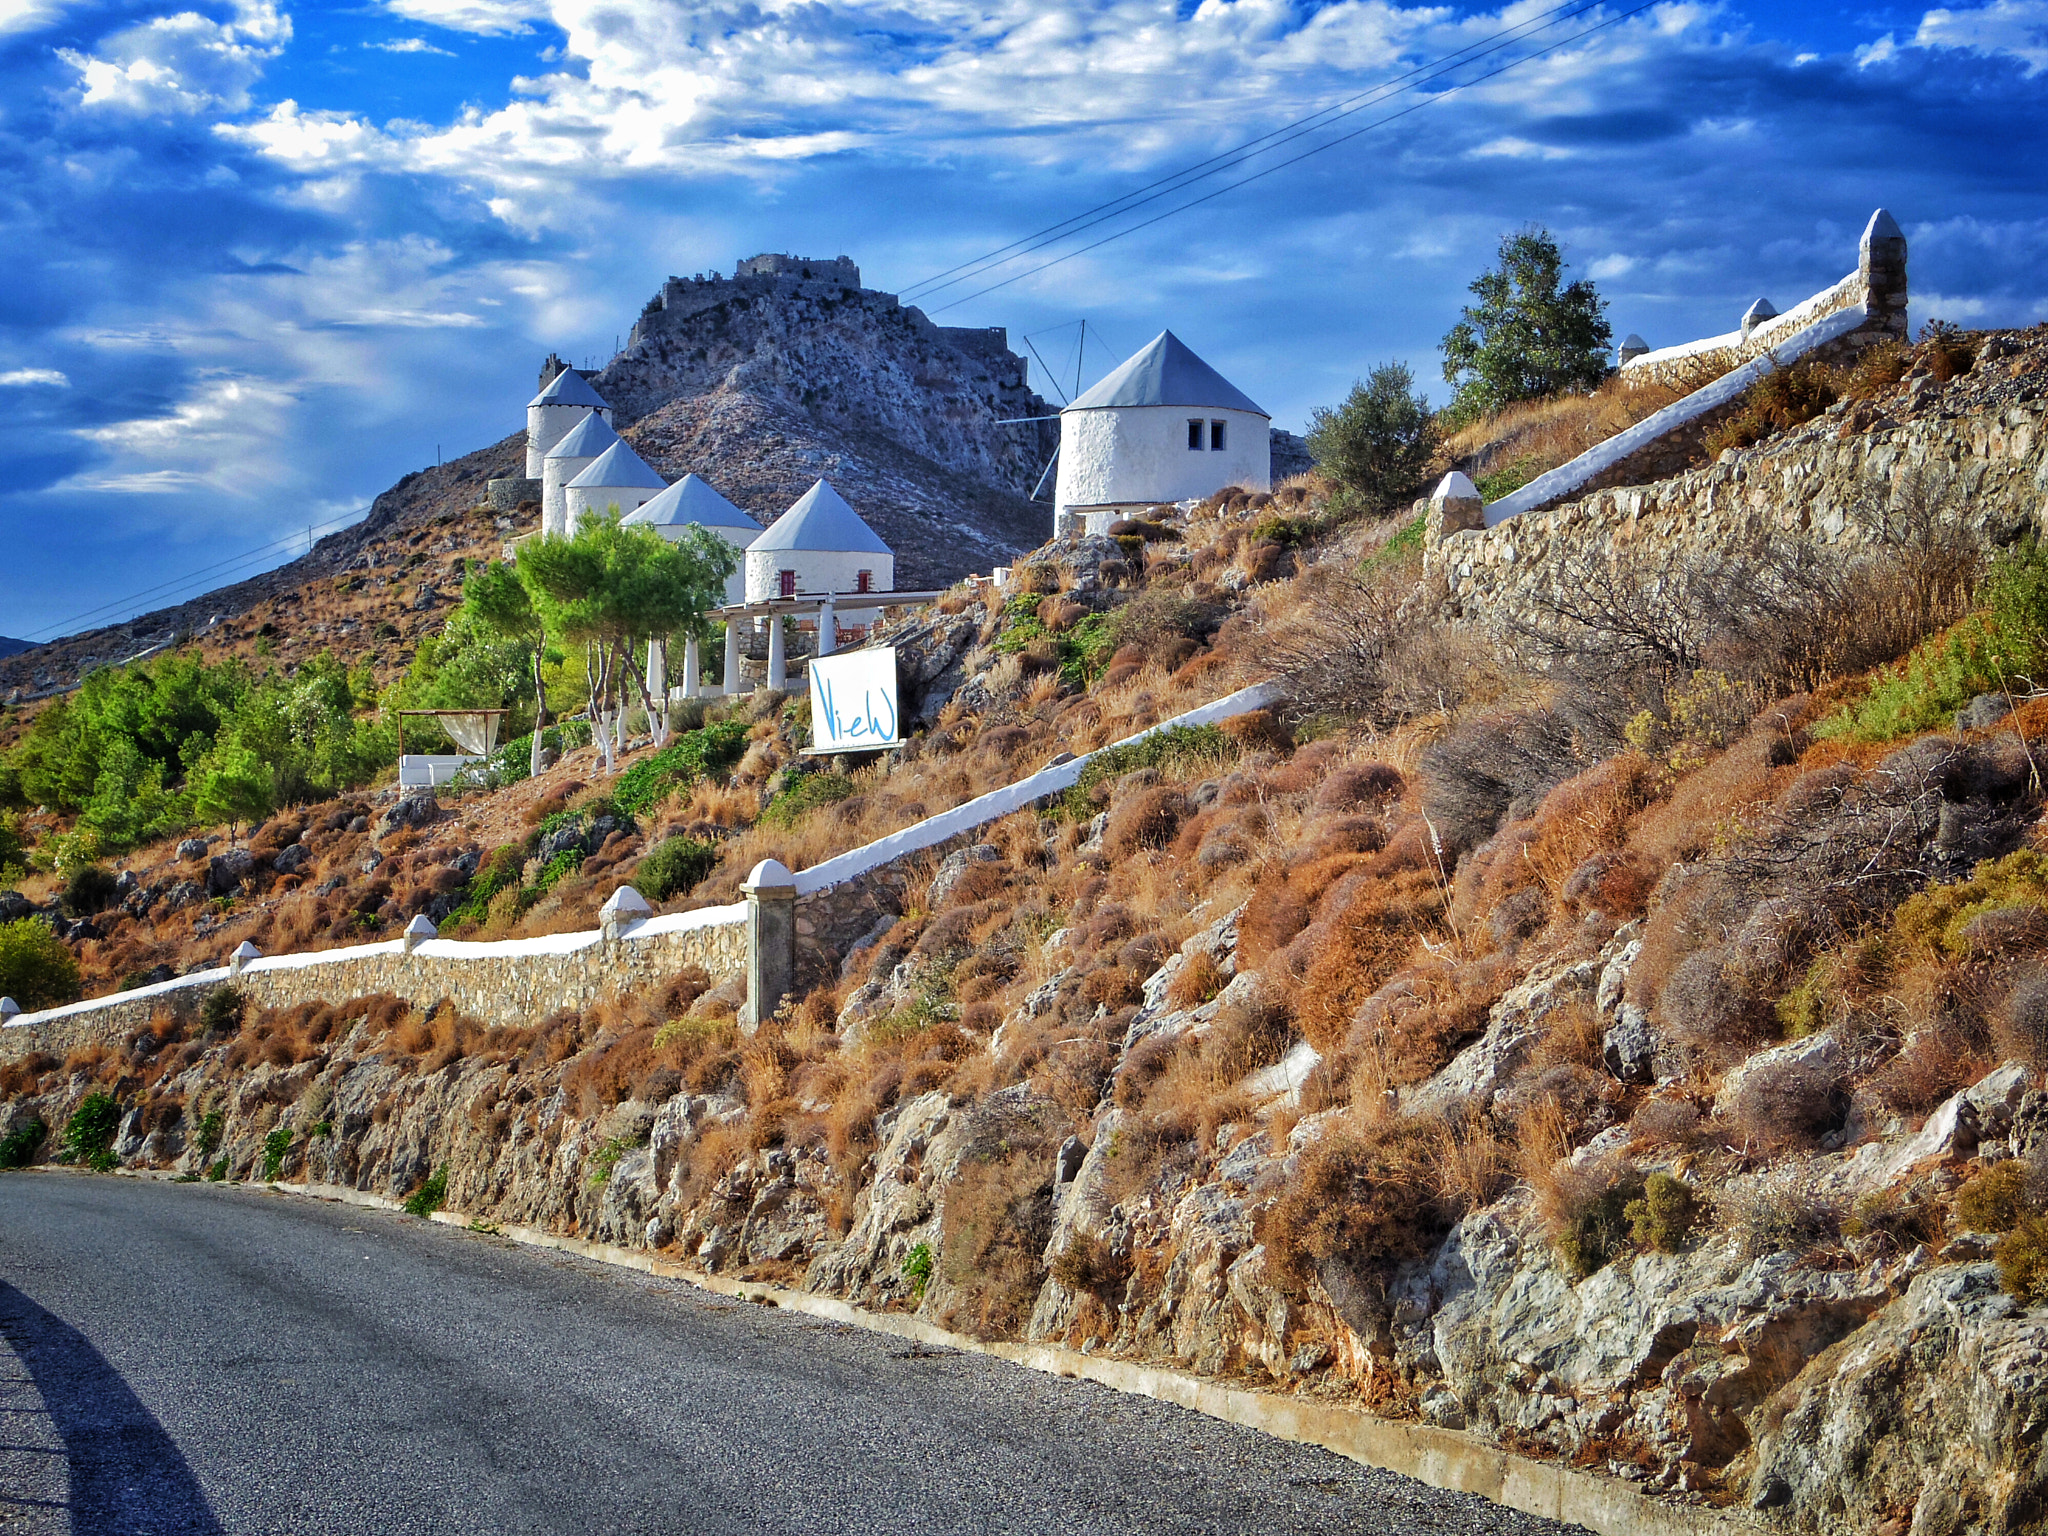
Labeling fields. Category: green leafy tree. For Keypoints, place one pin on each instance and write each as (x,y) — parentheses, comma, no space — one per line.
(1530,334)
(232,786)
(1379,442)
(498,603)
(611,589)
(36,969)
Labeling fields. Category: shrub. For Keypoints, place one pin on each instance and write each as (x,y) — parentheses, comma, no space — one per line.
(218,1172)
(1088,1265)
(1899,1220)
(89,1133)
(699,754)
(1780,400)
(803,793)
(1998,1199)
(37,970)
(675,865)
(1151,818)
(917,1268)
(221,1013)
(430,1196)
(21,1143)
(90,890)
(1781,1213)
(1365,1200)
(1379,442)
(1179,751)
(206,1137)
(1877,369)
(1593,1216)
(2023,1261)
(1787,1105)
(1663,1218)
(275,1146)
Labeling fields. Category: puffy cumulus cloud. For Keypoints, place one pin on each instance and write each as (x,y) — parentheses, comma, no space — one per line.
(182,64)
(2017,29)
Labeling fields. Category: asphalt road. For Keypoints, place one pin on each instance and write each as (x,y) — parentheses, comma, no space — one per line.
(205,1359)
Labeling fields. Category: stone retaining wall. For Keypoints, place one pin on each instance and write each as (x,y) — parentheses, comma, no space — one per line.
(1993,470)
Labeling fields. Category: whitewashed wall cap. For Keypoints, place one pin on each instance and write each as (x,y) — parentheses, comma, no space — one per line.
(1882,226)
(1455,487)
(770,874)
(421,927)
(625,904)
(9,1008)
(1634,343)
(1757,313)
(246,951)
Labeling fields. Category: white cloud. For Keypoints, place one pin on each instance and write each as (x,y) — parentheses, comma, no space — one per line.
(221,437)
(410,45)
(485,17)
(22,377)
(1512,148)
(182,64)
(27,15)
(1607,268)
(2016,28)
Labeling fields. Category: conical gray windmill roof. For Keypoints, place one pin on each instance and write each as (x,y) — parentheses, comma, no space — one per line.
(586,440)
(690,500)
(821,520)
(619,468)
(1166,373)
(570,388)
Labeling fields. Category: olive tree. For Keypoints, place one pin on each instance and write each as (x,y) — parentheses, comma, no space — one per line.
(1379,442)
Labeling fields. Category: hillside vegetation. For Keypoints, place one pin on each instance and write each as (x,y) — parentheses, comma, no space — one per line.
(1618,1032)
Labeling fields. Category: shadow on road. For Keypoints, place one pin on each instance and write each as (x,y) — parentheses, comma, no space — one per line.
(127,1474)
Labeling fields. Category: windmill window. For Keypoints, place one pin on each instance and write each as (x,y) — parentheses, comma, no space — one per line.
(1216,436)
(863,581)
(788,579)
(1195,436)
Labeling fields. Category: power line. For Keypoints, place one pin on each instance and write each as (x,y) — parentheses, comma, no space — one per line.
(63,627)
(1230,158)
(1344,138)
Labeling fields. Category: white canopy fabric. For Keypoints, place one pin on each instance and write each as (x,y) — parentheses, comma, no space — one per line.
(476,734)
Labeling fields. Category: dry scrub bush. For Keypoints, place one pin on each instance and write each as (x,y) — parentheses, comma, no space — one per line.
(1356,644)
(1364,1201)
(1780,1212)
(1536,436)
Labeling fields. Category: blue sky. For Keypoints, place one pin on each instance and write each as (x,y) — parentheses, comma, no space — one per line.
(263,258)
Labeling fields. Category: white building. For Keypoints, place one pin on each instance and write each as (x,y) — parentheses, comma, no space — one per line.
(619,478)
(820,545)
(582,446)
(1163,427)
(552,413)
(691,502)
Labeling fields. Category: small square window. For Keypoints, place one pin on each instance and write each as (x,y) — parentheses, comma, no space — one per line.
(1216,436)
(1195,436)
(788,579)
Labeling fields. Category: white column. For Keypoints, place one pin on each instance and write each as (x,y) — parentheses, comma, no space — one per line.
(732,657)
(693,670)
(778,662)
(828,628)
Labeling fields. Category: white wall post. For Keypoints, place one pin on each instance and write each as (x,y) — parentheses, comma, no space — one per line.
(693,669)
(828,628)
(778,660)
(770,891)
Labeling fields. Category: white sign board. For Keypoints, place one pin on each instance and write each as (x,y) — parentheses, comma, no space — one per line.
(853,701)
